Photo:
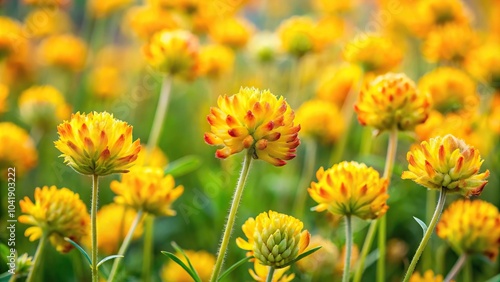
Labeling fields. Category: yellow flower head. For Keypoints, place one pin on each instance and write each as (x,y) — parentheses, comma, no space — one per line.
(484,64)
(264,47)
(321,119)
(327,30)
(429,14)
(447,162)
(97,144)
(335,84)
(255,120)
(231,31)
(449,43)
(43,106)
(4,93)
(350,188)
(155,157)
(40,23)
(102,9)
(145,21)
(107,82)
(216,60)
(471,227)
(147,189)
(427,277)
(202,261)
(334,7)
(259,273)
(56,213)
(323,258)
(187,6)
(10,36)
(18,149)
(451,90)
(64,51)
(297,35)
(113,223)
(173,53)
(275,239)
(374,53)
(392,101)
(49,3)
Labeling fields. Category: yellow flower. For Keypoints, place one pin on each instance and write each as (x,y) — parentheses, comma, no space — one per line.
(484,64)
(101,9)
(231,31)
(275,239)
(447,162)
(334,7)
(471,227)
(202,261)
(260,272)
(354,259)
(4,93)
(350,188)
(58,3)
(255,120)
(147,189)
(323,258)
(449,43)
(373,52)
(43,106)
(107,82)
(188,6)
(264,47)
(40,23)
(297,35)
(64,51)
(155,158)
(56,213)
(392,100)
(451,90)
(427,277)
(215,60)
(10,36)
(327,30)
(145,21)
(320,119)
(97,144)
(113,223)
(335,83)
(173,53)
(17,150)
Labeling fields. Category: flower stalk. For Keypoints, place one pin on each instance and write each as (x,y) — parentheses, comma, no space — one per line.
(348,247)
(270,274)
(148,247)
(93,226)
(35,270)
(456,268)
(161,111)
(232,216)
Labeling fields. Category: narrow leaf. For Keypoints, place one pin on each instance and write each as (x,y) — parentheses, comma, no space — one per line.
(234,266)
(182,264)
(84,253)
(371,258)
(303,255)
(494,279)
(421,223)
(108,258)
(183,166)
(5,277)
(4,252)
(180,250)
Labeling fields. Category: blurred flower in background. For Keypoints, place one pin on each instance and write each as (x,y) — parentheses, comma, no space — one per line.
(101,9)
(428,276)
(321,120)
(17,150)
(64,51)
(42,22)
(264,47)
(10,36)
(202,261)
(322,260)
(449,44)
(216,60)
(484,64)
(336,82)
(231,31)
(144,21)
(4,94)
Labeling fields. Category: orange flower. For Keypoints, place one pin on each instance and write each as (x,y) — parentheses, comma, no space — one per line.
(233,32)
(18,149)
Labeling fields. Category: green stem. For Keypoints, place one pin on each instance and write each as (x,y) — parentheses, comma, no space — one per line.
(427,235)
(440,259)
(35,270)
(427,262)
(382,228)
(232,216)
(124,246)
(93,226)
(307,173)
(348,247)
(467,274)
(366,248)
(294,86)
(456,268)
(270,274)
(161,111)
(366,141)
(148,248)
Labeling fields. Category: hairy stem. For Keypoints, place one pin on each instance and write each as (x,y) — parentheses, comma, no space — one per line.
(270,274)
(348,249)
(35,270)
(93,226)
(161,111)
(456,268)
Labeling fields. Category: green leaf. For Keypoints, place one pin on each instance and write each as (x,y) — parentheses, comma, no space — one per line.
(494,279)
(371,258)
(183,265)
(108,258)
(303,255)
(180,250)
(234,266)
(4,277)
(4,252)
(84,253)
(422,224)
(183,166)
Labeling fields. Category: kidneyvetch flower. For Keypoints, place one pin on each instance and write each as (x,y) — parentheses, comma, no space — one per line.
(275,239)
(320,119)
(56,213)
(255,120)
(18,149)
(447,162)
(392,100)
(427,277)
(65,51)
(202,262)
(471,227)
(350,188)
(260,273)
(147,189)
(97,144)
